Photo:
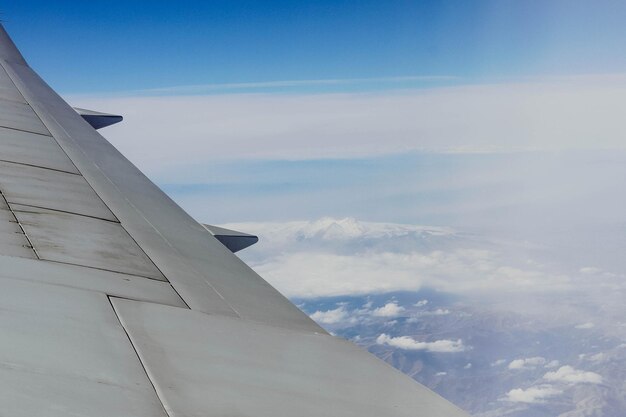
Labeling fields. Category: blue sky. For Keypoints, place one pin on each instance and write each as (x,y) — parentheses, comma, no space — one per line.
(493,144)
(132,45)
(498,77)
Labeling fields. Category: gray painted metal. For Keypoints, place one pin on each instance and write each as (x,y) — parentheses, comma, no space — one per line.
(232,239)
(85,241)
(106,282)
(97,119)
(256,370)
(33,149)
(64,353)
(39,187)
(8,90)
(20,116)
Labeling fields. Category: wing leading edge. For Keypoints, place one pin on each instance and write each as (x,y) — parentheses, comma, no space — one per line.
(119,303)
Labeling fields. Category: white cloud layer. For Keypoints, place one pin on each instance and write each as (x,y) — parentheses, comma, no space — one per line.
(311,274)
(408,343)
(328,257)
(574,376)
(574,113)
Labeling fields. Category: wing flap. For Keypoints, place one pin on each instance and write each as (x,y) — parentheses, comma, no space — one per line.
(38,187)
(105,282)
(85,241)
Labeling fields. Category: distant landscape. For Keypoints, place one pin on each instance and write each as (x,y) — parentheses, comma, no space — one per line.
(508,352)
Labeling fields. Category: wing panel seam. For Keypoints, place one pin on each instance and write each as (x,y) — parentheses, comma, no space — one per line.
(148,376)
(4,65)
(49,135)
(116,221)
(17,221)
(39,166)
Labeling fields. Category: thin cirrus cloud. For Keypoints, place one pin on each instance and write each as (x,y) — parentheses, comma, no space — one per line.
(245,86)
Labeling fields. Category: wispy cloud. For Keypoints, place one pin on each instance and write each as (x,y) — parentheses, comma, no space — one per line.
(498,362)
(552,364)
(437,312)
(527,363)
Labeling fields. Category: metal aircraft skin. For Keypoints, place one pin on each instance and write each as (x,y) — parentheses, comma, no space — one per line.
(115,302)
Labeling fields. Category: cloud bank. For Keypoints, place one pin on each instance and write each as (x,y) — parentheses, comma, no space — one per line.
(332,257)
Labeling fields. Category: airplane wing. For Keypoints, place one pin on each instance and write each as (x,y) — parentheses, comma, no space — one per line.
(115,302)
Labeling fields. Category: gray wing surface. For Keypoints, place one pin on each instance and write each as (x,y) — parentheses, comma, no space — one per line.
(115,302)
